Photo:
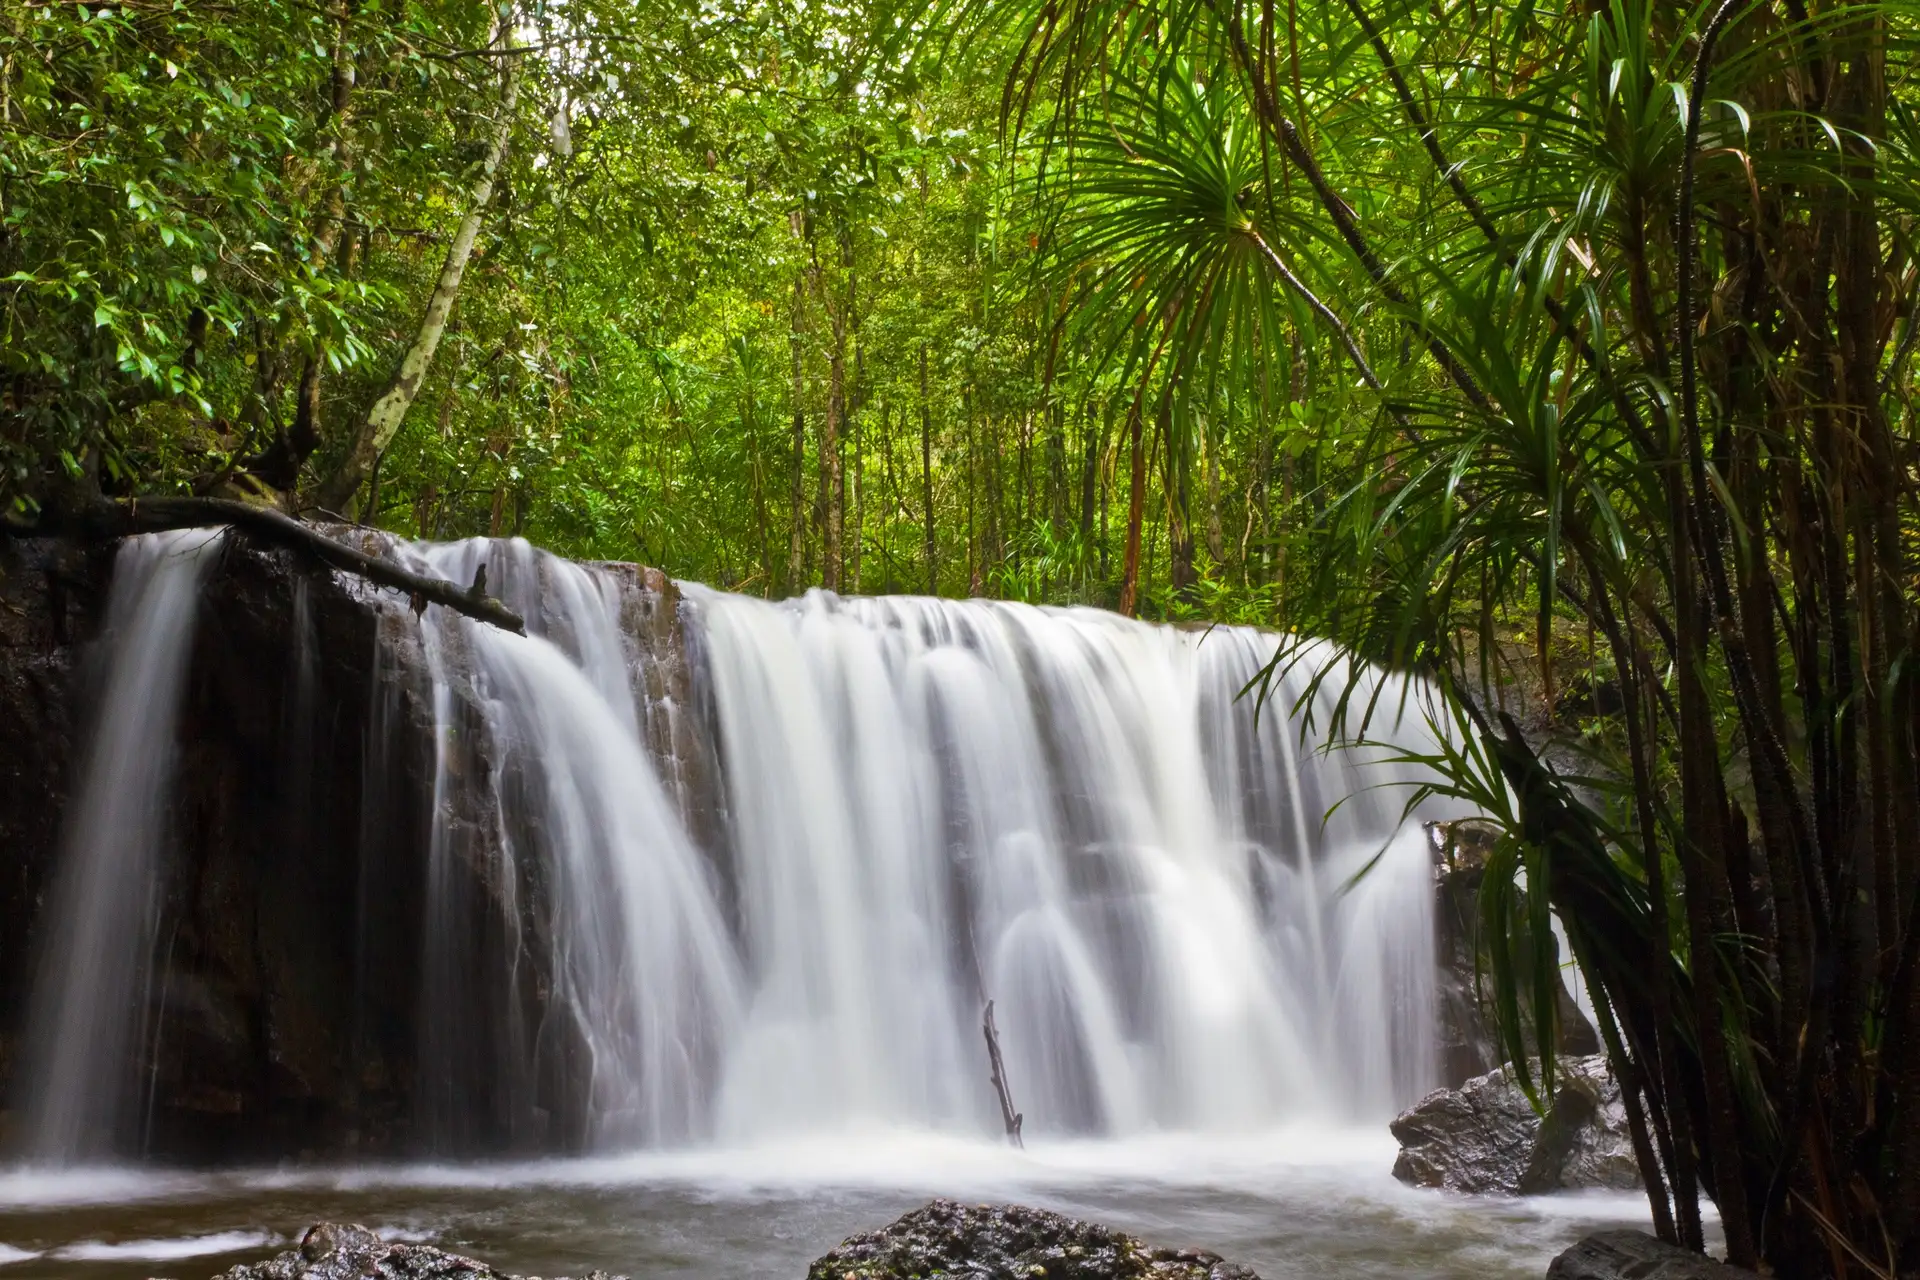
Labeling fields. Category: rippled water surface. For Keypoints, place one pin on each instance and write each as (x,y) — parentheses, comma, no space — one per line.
(1290,1204)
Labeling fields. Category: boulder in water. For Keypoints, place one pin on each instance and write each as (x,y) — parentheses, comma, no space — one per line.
(1010,1242)
(346,1251)
(1485,1137)
(1635,1255)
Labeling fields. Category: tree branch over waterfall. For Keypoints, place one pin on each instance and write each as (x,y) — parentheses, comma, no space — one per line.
(153,515)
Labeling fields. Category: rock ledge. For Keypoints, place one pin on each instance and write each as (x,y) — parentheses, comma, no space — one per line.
(1010,1242)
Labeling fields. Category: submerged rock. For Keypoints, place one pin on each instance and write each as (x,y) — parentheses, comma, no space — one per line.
(1635,1255)
(1485,1137)
(1010,1242)
(346,1251)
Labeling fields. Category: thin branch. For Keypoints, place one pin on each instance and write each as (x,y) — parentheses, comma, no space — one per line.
(1287,134)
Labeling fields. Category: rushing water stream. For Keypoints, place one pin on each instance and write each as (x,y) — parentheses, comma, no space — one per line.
(1208,1012)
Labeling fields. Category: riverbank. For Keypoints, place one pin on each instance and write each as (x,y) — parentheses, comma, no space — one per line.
(1291,1203)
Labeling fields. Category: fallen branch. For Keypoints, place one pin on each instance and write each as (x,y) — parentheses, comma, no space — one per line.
(1012,1118)
(154,515)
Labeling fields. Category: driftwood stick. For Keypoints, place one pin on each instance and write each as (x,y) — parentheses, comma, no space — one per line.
(1012,1118)
(153,515)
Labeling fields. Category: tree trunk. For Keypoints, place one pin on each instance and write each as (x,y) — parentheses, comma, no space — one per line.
(1180,574)
(758,478)
(926,478)
(279,464)
(831,477)
(1089,467)
(1136,511)
(1216,541)
(383,420)
(855,539)
(797,540)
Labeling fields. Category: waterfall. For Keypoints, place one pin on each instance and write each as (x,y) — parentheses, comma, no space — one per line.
(87,1028)
(935,803)
(638,951)
(774,896)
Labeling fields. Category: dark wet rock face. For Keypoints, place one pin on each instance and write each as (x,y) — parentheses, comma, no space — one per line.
(51,595)
(343,1251)
(300,864)
(1469,1046)
(1635,1255)
(1485,1137)
(288,882)
(1010,1242)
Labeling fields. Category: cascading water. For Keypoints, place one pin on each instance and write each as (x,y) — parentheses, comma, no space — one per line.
(935,803)
(645,972)
(923,805)
(86,1027)
(930,804)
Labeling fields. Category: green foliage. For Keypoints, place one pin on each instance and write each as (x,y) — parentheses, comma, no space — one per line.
(1509,344)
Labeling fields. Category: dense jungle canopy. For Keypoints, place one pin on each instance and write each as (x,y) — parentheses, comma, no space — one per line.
(1570,337)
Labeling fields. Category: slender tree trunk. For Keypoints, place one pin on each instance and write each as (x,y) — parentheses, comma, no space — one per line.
(1180,574)
(1216,541)
(758,477)
(973,487)
(833,479)
(1136,512)
(279,465)
(859,505)
(383,420)
(889,498)
(993,553)
(926,479)
(797,541)
(1089,478)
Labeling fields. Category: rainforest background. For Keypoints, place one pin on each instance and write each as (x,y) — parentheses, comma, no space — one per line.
(1558,350)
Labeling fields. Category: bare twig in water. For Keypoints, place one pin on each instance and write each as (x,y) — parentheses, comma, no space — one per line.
(1012,1118)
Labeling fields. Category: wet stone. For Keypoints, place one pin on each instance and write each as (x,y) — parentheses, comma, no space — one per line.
(1010,1242)
(347,1251)
(1635,1255)
(1485,1138)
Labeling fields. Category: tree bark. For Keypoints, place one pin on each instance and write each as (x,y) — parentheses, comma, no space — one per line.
(926,477)
(1136,510)
(832,478)
(383,420)
(797,541)
(280,463)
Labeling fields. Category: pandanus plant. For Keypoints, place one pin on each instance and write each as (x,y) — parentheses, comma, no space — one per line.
(1620,297)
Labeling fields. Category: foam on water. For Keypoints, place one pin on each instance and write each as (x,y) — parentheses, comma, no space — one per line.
(166,1250)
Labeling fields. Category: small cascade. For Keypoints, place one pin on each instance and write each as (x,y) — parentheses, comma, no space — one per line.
(87,1034)
(646,982)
